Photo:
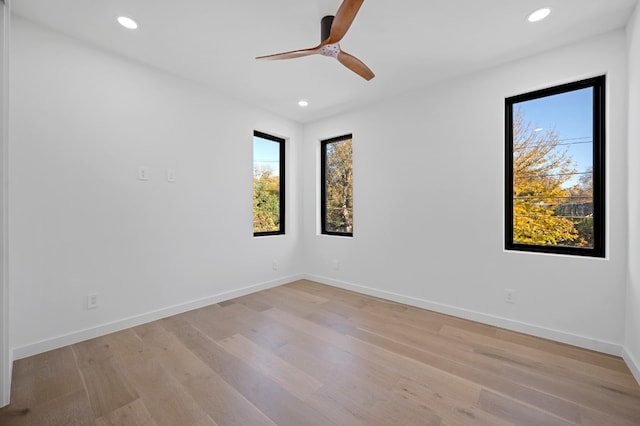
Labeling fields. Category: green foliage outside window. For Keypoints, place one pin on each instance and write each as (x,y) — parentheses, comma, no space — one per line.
(338,187)
(266,201)
(268,184)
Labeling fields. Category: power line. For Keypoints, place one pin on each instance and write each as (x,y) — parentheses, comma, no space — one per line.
(574,139)
(574,143)
(554,174)
(536,216)
(531,197)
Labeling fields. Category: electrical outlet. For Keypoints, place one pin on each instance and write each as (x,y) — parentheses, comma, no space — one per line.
(336,265)
(171,175)
(92,301)
(274,265)
(509,295)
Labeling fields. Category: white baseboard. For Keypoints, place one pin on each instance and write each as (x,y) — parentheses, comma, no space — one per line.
(534,330)
(632,363)
(101,330)
(104,329)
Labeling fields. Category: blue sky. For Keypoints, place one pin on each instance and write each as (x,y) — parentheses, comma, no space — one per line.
(266,154)
(571,116)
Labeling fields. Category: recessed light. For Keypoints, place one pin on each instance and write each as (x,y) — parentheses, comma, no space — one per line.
(303,103)
(127,22)
(539,14)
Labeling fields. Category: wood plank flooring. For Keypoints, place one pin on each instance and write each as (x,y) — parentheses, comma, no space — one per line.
(310,354)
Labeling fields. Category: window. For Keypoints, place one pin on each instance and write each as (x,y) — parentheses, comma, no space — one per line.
(336,193)
(268,184)
(555,169)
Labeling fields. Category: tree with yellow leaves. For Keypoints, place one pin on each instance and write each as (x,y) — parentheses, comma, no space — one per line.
(540,169)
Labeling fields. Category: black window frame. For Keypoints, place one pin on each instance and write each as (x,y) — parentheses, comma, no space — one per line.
(598,84)
(323,189)
(281,171)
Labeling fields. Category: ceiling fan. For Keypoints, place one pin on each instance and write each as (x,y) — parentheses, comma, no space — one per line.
(333,29)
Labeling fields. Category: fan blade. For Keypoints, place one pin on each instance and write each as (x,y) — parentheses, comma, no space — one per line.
(343,20)
(355,65)
(292,54)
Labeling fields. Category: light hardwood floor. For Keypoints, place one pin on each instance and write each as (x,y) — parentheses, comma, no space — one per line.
(309,354)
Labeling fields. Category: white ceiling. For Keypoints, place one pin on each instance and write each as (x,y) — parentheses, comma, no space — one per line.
(407,43)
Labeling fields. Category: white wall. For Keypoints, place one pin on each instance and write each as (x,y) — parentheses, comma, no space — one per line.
(428,204)
(82,122)
(632,338)
(5,356)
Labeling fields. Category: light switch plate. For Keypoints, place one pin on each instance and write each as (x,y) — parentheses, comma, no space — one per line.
(92,301)
(143,173)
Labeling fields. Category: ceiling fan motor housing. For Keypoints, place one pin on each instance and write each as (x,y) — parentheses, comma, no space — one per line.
(325,27)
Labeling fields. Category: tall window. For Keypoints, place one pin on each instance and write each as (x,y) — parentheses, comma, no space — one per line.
(268,184)
(555,169)
(337,186)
